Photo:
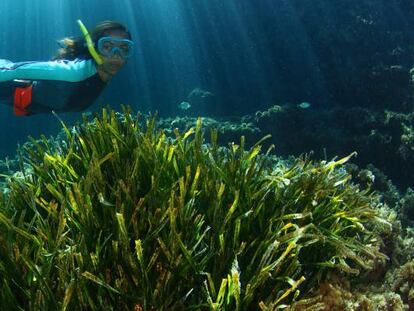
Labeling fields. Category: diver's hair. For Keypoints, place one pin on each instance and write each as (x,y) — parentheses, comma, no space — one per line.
(75,47)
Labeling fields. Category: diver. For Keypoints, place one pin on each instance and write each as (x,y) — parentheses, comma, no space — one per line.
(73,79)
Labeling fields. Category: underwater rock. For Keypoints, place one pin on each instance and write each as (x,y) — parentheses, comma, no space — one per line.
(8,167)
(384,139)
(404,283)
(337,294)
(367,62)
(390,291)
(407,206)
(230,130)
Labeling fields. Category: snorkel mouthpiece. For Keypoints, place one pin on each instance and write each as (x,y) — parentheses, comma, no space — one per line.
(89,43)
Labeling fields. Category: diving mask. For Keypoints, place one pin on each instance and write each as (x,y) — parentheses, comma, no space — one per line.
(108,46)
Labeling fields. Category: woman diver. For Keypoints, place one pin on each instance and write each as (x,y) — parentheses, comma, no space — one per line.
(71,81)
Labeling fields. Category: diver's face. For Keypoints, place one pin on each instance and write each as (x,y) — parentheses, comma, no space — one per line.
(112,64)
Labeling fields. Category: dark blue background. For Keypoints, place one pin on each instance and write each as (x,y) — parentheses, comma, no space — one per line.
(250,53)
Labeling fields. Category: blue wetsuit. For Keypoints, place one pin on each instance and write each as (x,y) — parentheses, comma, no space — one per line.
(61,85)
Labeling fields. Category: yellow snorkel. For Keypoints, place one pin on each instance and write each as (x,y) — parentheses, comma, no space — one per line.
(89,43)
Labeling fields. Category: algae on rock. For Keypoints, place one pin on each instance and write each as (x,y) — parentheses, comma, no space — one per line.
(122,216)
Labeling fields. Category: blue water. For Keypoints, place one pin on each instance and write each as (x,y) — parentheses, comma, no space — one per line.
(336,66)
(250,54)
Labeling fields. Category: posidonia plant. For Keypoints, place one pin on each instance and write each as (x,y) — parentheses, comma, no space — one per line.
(121,217)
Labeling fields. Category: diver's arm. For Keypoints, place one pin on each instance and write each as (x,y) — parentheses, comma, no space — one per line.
(60,70)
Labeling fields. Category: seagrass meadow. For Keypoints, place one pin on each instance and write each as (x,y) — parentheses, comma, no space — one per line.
(121,216)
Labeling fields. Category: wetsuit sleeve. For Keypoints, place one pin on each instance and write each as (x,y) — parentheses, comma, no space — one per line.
(61,70)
